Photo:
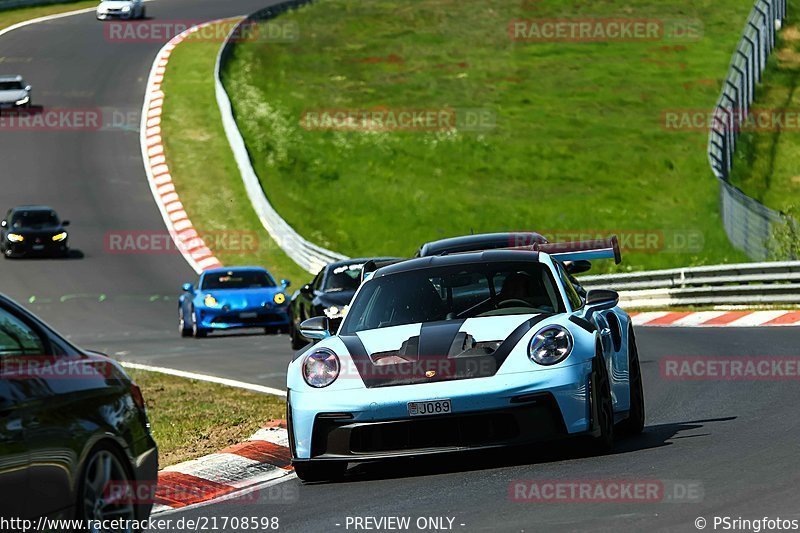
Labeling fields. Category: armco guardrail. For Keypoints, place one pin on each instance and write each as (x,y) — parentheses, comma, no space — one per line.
(738,284)
(747,222)
(308,255)
(11,4)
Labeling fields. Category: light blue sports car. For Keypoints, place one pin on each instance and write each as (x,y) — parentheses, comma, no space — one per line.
(229,298)
(470,350)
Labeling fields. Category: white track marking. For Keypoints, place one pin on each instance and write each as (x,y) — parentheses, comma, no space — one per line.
(696,319)
(205,377)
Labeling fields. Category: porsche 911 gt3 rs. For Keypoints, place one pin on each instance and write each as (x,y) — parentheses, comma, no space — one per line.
(475,350)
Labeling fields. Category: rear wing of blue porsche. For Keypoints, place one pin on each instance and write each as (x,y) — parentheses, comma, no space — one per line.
(582,250)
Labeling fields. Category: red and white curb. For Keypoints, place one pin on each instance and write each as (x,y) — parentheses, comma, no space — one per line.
(186,237)
(228,473)
(716,318)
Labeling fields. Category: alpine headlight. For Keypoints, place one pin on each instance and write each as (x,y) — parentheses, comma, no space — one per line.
(23,101)
(15,237)
(550,345)
(321,368)
(58,237)
(336,312)
(279,298)
(210,301)
(125,9)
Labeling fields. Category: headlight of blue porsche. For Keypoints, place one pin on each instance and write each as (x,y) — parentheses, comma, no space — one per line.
(550,345)
(321,368)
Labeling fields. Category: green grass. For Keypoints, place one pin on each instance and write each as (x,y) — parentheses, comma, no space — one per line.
(579,141)
(202,166)
(9,17)
(192,418)
(767,163)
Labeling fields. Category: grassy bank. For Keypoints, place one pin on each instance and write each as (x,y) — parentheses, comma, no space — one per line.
(193,418)
(9,17)
(767,160)
(202,166)
(578,140)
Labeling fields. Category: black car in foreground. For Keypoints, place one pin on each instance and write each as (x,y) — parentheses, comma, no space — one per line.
(33,230)
(328,294)
(75,440)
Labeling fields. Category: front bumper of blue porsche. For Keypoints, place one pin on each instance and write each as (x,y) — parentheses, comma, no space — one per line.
(256,317)
(488,412)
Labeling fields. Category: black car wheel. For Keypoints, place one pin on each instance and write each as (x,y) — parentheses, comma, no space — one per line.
(106,489)
(602,407)
(298,341)
(321,471)
(634,424)
(183,327)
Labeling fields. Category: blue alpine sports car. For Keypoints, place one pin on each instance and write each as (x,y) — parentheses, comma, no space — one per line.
(472,350)
(228,298)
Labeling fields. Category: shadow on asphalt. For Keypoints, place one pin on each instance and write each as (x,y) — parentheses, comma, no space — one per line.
(71,255)
(654,436)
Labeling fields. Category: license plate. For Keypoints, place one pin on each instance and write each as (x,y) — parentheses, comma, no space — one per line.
(248,315)
(38,247)
(432,407)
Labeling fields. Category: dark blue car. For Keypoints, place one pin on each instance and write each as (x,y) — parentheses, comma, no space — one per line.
(233,297)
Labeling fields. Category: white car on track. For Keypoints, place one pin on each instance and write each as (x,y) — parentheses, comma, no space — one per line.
(123,9)
(14,92)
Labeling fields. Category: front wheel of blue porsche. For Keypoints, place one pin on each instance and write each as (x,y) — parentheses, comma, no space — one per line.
(197,331)
(184,328)
(602,408)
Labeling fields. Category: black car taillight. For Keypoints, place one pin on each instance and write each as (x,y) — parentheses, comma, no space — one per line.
(136,394)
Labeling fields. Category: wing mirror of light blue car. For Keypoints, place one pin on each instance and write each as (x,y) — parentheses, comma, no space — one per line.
(600,299)
(315,329)
(187,287)
(285,283)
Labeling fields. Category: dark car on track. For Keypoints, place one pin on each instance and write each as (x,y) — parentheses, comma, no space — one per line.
(328,294)
(74,431)
(33,230)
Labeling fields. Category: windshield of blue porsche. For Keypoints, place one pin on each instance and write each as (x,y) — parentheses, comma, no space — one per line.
(237,280)
(454,293)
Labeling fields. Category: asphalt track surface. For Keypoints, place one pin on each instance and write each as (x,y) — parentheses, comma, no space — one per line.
(736,442)
(122,304)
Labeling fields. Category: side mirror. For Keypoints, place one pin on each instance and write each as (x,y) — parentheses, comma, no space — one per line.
(306,289)
(285,283)
(315,329)
(600,299)
(577,267)
(65,222)
(187,287)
